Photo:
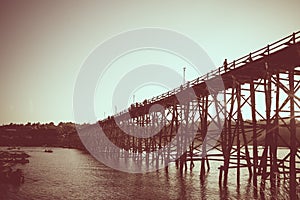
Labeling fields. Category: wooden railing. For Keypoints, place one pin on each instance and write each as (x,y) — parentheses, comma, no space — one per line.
(253,56)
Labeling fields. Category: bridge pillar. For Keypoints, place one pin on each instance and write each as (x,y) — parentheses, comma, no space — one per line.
(203,121)
(293,148)
(254,123)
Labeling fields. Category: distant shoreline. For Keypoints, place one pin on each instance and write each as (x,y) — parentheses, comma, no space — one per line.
(64,135)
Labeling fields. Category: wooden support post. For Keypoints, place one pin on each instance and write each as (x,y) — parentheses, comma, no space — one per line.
(268,136)
(203,135)
(224,133)
(276,131)
(220,175)
(238,145)
(192,133)
(180,142)
(293,148)
(185,134)
(229,136)
(255,151)
(245,142)
(177,135)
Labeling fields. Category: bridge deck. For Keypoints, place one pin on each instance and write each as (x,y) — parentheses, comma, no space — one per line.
(280,56)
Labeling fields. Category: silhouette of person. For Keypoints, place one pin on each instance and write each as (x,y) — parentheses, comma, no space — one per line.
(225,65)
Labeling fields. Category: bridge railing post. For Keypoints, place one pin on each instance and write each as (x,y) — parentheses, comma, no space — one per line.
(294,38)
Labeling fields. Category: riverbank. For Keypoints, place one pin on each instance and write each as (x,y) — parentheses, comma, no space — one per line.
(40,135)
(8,160)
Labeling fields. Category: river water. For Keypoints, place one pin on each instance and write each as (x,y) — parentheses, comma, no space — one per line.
(73,174)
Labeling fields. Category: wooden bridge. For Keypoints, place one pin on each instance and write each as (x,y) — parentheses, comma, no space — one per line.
(254,106)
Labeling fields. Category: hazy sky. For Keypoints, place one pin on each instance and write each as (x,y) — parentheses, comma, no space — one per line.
(44,43)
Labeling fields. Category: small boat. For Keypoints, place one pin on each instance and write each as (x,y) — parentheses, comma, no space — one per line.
(48,151)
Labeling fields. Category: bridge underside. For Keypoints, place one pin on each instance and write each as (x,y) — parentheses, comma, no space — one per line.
(242,123)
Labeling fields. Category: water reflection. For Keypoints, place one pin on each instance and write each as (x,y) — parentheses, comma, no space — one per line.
(71,174)
(224,193)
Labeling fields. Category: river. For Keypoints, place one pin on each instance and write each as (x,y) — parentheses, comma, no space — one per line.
(73,174)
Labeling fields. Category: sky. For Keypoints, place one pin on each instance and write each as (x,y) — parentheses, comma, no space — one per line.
(45,43)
